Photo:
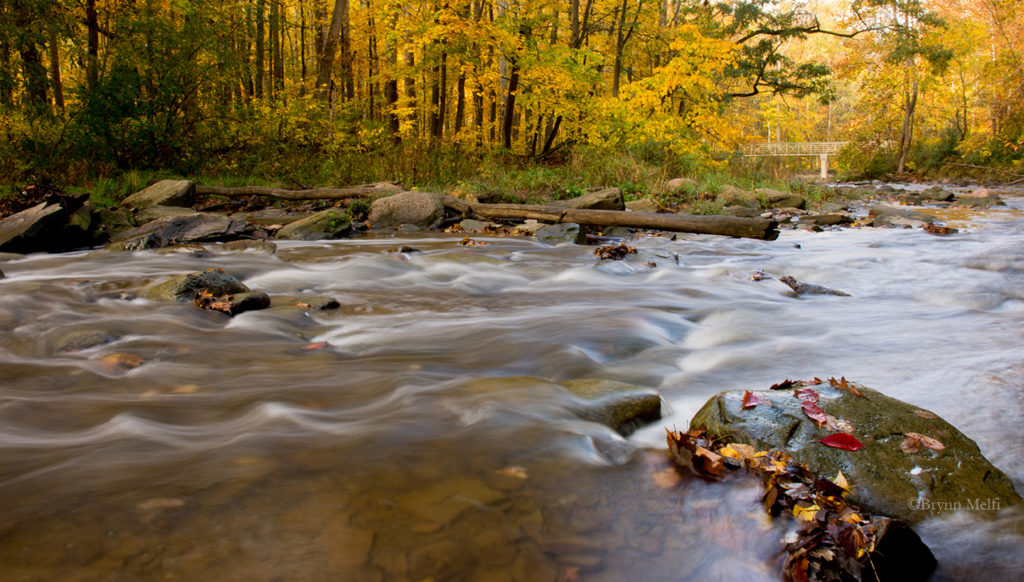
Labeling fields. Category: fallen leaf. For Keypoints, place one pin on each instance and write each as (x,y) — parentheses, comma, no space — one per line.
(841,440)
(841,481)
(927,441)
(911,445)
(806,394)
(315,346)
(839,424)
(926,414)
(814,412)
(750,400)
(569,574)
(842,384)
(708,462)
(806,514)
(784,385)
(121,361)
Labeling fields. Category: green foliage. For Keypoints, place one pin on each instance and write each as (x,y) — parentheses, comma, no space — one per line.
(358,208)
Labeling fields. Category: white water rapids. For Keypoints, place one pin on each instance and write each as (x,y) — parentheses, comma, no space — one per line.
(233,452)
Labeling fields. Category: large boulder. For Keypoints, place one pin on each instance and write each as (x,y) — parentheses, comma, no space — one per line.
(981,198)
(732,196)
(421,209)
(606,199)
(780,199)
(174,230)
(894,474)
(158,211)
(165,193)
(184,288)
(885,215)
(329,224)
(35,229)
(676,185)
(554,234)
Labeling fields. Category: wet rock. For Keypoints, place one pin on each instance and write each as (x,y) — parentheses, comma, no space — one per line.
(883,478)
(936,194)
(35,229)
(184,288)
(190,249)
(892,216)
(176,230)
(233,304)
(259,245)
(732,196)
(624,407)
(422,209)
(833,208)
(779,199)
(801,288)
(82,339)
(151,213)
(981,198)
(320,303)
(553,234)
(825,219)
(470,225)
(164,192)
(676,185)
(642,205)
(330,224)
(114,221)
(617,232)
(271,216)
(606,199)
(900,554)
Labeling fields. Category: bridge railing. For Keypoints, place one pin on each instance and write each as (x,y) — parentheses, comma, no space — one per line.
(791,148)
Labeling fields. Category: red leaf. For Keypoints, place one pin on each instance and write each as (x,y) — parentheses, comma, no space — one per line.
(749,400)
(814,412)
(806,395)
(842,440)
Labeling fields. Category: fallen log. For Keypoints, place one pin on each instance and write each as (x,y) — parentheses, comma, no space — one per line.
(758,228)
(386,188)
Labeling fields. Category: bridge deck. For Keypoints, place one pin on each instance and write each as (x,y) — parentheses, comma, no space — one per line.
(791,148)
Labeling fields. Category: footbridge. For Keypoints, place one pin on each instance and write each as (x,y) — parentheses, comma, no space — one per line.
(822,149)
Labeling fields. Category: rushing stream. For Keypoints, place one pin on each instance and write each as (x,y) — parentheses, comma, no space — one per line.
(425,441)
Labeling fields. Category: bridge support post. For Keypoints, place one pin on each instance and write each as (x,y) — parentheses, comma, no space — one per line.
(823,158)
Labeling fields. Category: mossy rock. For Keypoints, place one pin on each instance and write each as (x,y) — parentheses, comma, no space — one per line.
(883,478)
(329,224)
(184,288)
(624,407)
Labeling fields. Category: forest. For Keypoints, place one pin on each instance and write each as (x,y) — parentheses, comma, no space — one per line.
(104,93)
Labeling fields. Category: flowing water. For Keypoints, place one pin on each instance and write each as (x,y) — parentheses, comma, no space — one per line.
(425,440)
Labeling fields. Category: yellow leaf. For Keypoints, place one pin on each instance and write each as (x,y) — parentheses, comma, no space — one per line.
(805,513)
(841,481)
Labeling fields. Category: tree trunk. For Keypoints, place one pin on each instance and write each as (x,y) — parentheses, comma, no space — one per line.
(410,89)
(438,98)
(6,74)
(55,77)
(277,47)
(510,103)
(260,48)
(907,132)
(339,22)
(92,59)
(758,228)
(460,102)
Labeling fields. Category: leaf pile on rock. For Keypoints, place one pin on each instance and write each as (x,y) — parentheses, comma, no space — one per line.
(836,541)
(614,253)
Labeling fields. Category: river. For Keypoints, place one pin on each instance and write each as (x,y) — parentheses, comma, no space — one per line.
(423,440)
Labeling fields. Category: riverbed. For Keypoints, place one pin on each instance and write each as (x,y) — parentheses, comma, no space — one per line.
(414,433)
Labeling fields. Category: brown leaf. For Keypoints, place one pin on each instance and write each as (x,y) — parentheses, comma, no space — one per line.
(708,462)
(784,385)
(842,384)
(910,445)
(926,414)
(121,361)
(806,394)
(927,441)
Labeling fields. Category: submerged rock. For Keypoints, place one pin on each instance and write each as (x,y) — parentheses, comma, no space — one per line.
(233,304)
(164,192)
(886,476)
(801,288)
(624,407)
(260,245)
(184,288)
